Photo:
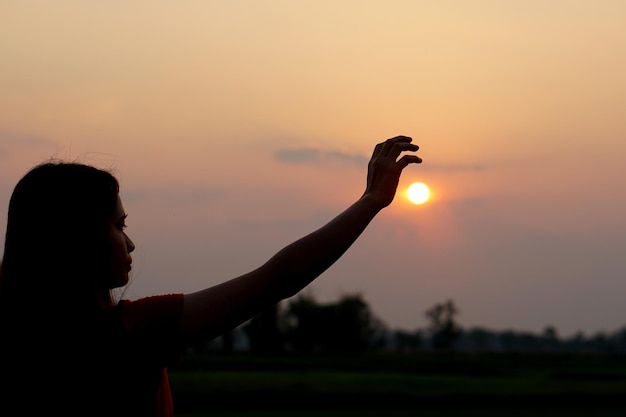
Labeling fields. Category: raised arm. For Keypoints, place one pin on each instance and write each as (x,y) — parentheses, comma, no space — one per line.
(210,312)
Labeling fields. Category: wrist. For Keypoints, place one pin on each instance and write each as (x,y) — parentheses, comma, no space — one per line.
(372,203)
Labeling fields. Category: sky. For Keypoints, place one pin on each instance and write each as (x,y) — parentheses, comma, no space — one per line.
(237,127)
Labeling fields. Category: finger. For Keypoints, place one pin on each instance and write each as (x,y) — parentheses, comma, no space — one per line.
(400,147)
(401,138)
(409,159)
(389,143)
(377,149)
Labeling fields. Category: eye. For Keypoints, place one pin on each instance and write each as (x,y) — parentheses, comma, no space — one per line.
(122,222)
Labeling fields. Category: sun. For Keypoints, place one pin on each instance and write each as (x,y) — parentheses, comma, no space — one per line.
(418,193)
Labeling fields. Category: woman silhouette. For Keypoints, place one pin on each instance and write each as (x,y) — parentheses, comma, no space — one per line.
(68,346)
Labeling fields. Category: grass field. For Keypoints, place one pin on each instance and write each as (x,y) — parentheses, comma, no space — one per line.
(400,385)
(534,412)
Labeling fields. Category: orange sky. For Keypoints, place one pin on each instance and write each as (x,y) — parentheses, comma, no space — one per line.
(236,127)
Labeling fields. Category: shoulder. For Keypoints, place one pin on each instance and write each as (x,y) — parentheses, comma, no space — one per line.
(164,309)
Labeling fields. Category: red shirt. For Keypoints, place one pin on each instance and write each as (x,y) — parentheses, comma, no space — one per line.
(152,327)
(109,364)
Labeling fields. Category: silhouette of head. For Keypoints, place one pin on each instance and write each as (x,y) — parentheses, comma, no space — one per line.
(56,244)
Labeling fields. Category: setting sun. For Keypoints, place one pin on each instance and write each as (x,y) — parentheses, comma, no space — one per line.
(418,193)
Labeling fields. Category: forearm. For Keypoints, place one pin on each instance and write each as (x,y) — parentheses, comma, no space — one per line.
(299,263)
(224,306)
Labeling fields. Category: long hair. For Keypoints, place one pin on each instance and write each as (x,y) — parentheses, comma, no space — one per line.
(56,246)
(53,293)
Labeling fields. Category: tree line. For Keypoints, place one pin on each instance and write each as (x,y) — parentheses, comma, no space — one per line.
(348,326)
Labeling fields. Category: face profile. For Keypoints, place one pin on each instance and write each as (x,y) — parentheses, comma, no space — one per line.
(121,247)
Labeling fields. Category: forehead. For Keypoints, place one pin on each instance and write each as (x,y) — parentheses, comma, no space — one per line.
(119,208)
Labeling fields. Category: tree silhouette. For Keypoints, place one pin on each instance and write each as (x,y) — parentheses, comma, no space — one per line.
(342,327)
(407,341)
(349,326)
(264,332)
(444,330)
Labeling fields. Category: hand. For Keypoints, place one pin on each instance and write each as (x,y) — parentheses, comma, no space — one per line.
(384,168)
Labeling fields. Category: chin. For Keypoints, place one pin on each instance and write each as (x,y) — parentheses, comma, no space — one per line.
(118,282)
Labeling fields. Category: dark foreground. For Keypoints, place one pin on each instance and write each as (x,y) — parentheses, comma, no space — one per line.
(400,385)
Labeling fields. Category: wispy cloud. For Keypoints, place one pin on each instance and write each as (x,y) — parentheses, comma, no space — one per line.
(316,155)
(454,168)
(15,138)
(20,140)
(311,155)
(177,195)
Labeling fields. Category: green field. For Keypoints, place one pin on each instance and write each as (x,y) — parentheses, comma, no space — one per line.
(490,412)
(400,385)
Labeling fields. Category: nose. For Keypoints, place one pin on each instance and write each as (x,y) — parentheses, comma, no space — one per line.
(130,246)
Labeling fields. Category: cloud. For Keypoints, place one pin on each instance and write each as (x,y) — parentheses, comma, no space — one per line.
(14,138)
(178,195)
(310,155)
(455,168)
(20,140)
(317,155)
